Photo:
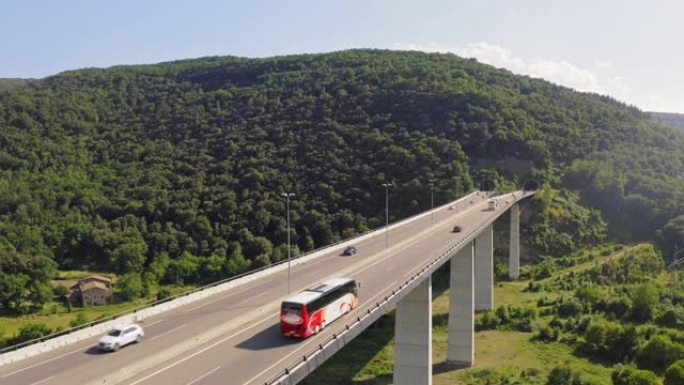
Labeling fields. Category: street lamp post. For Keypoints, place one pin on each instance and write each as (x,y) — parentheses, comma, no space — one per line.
(387,186)
(432,201)
(289,249)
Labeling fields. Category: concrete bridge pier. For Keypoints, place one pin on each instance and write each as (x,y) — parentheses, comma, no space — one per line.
(461,338)
(514,245)
(484,269)
(413,337)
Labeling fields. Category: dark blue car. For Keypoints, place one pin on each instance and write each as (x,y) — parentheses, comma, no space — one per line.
(350,250)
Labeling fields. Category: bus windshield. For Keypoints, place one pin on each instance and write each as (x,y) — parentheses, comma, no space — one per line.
(291,313)
(290,307)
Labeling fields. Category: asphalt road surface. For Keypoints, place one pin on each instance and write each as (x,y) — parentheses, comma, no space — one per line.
(233,337)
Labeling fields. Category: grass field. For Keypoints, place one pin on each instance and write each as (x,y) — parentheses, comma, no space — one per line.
(501,357)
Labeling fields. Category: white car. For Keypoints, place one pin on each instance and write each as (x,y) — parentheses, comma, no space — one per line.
(120,336)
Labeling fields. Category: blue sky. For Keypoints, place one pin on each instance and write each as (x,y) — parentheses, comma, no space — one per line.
(631,50)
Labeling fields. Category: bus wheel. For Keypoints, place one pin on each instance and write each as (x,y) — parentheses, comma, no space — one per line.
(317,329)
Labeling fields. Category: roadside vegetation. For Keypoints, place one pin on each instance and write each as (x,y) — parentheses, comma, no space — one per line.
(59,314)
(600,316)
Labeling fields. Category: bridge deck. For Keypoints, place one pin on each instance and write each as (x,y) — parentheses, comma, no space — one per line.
(233,337)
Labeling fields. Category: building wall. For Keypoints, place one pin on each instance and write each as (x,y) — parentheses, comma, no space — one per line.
(96,296)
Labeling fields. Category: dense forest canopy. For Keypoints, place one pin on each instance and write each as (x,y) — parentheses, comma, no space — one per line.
(672,119)
(10,83)
(176,169)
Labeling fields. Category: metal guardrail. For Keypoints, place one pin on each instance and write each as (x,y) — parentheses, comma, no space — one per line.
(392,296)
(202,288)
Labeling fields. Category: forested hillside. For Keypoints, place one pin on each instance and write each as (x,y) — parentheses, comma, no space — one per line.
(176,169)
(10,83)
(674,120)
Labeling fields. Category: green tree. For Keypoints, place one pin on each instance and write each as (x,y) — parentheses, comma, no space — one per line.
(130,254)
(131,286)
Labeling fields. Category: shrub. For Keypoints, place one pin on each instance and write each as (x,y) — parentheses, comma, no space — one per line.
(564,376)
(675,374)
(671,317)
(625,348)
(595,337)
(589,294)
(533,287)
(547,333)
(545,301)
(30,332)
(80,319)
(659,353)
(163,293)
(583,324)
(645,297)
(617,306)
(488,321)
(61,291)
(501,271)
(628,375)
(570,308)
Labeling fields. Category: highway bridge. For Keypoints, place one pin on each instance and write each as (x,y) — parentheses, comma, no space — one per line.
(233,337)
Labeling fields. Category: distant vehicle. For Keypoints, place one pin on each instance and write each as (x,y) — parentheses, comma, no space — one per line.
(492,204)
(121,336)
(350,250)
(457,229)
(308,312)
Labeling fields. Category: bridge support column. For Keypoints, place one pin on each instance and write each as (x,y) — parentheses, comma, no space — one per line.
(484,270)
(461,338)
(514,245)
(413,337)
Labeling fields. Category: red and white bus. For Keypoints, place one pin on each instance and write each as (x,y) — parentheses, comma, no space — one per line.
(310,311)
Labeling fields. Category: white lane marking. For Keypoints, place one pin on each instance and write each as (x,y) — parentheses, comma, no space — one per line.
(205,304)
(153,323)
(166,332)
(196,380)
(228,294)
(203,350)
(43,381)
(41,363)
(251,299)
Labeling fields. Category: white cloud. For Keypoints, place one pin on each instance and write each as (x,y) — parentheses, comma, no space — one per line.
(557,71)
(603,64)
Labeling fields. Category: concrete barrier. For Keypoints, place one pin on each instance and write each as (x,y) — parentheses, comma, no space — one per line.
(140,315)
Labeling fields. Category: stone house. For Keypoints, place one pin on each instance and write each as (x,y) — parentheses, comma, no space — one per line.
(93,290)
